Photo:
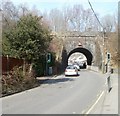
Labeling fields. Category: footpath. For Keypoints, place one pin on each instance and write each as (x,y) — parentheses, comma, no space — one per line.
(108,104)
(45,78)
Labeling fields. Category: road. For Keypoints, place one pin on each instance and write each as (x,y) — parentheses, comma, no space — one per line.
(60,95)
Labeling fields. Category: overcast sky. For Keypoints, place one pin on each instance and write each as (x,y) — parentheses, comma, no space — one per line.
(102,7)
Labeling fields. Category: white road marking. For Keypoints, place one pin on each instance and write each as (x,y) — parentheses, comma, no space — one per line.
(95,102)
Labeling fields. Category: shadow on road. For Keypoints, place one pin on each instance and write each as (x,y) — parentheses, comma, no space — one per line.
(54,81)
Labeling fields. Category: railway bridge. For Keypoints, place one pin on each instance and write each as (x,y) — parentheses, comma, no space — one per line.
(90,44)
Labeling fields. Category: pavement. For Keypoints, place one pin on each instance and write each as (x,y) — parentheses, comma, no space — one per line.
(45,78)
(108,102)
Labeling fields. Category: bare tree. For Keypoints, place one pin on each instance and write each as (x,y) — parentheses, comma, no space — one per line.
(108,22)
(23,10)
(56,18)
(66,18)
(76,17)
(116,21)
(9,14)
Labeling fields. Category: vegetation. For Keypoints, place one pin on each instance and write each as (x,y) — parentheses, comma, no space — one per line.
(27,37)
(16,81)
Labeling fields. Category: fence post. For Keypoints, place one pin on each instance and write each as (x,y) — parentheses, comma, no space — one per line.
(7,65)
(23,66)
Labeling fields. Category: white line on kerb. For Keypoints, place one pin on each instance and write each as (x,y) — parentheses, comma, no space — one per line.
(95,103)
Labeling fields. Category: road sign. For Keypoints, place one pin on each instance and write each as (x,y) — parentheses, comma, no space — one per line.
(80,44)
(48,57)
(108,56)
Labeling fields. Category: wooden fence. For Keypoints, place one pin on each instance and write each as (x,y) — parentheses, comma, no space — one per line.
(8,63)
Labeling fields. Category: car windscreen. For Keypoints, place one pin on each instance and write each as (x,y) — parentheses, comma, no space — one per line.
(71,67)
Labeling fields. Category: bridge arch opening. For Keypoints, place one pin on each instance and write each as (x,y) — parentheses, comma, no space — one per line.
(85,52)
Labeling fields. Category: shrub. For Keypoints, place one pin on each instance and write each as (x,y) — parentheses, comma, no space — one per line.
(16,81)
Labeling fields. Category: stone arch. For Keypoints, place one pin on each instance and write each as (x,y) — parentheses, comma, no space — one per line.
(85,51)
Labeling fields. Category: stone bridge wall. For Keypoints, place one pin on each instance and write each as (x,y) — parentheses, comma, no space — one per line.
(90,41)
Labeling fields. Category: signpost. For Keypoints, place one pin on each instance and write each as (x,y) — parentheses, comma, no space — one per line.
(108,56)
(48,60)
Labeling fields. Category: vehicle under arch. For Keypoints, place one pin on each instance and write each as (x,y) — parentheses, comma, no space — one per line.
(84,51)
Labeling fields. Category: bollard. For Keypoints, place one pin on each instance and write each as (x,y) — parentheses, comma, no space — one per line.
(111,70)
(109,84)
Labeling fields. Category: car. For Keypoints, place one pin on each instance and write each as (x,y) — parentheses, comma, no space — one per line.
(77,66)
(82,65)
(71,70)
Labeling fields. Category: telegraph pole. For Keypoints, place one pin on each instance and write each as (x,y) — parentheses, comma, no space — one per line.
(103,46)
(103,52)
